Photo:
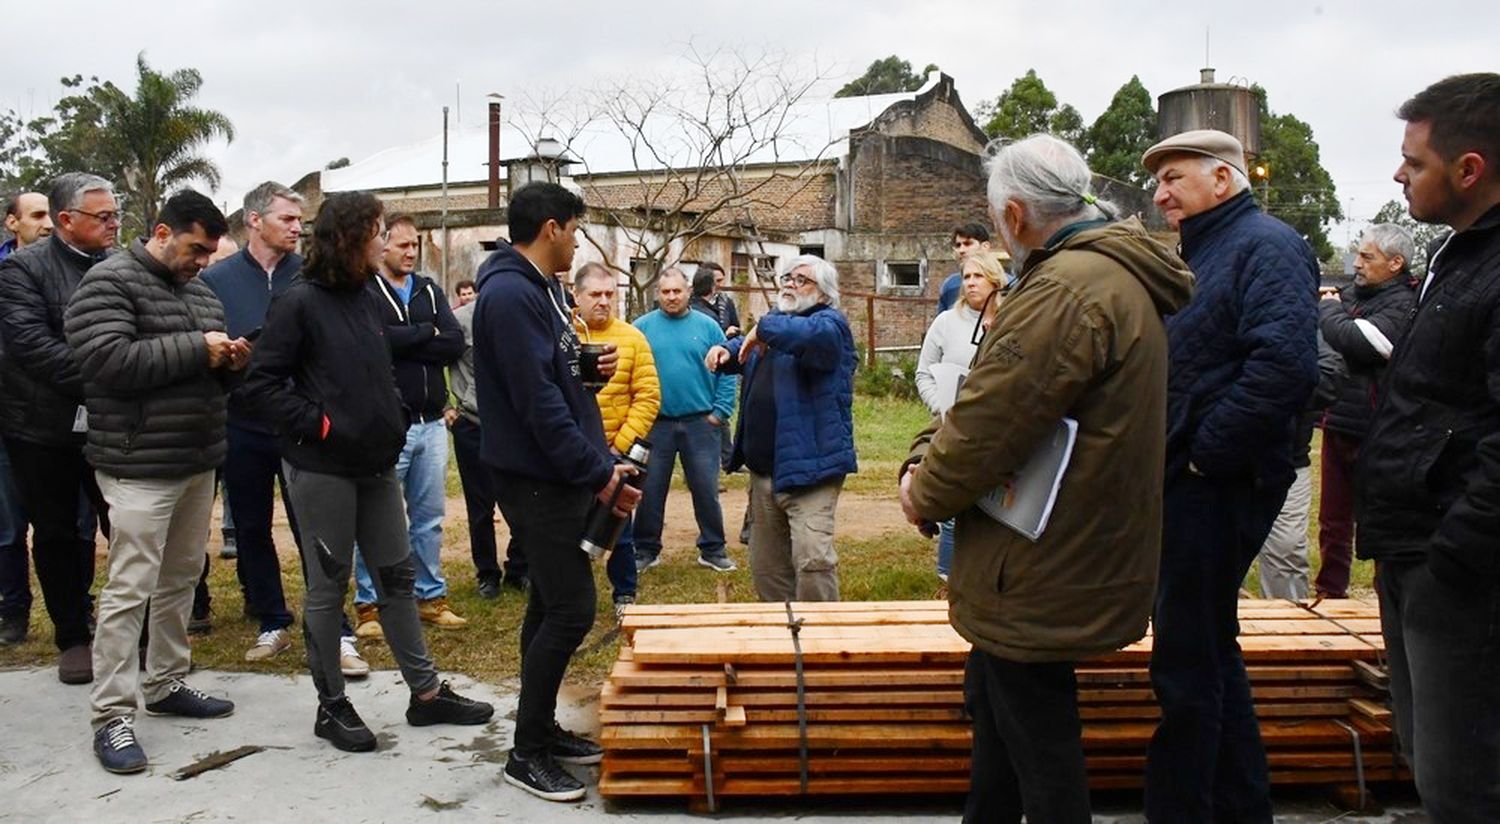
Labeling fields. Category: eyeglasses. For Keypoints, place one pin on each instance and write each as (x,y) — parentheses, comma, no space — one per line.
(798,281)
(102,217)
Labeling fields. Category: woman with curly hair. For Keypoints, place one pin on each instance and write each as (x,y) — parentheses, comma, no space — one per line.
(321,375)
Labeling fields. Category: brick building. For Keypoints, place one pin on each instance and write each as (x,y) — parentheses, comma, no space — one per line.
(874,184)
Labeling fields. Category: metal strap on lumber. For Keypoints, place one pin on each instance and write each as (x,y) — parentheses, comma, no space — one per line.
(1359,762)
(794,626)
(708,771)
(1313,609)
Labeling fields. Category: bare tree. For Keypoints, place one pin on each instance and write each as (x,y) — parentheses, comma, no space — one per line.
(712,150)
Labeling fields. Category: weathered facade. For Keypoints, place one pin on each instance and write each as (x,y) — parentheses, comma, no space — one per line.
(906,170)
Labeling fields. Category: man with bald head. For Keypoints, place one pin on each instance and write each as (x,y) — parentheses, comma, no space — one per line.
(695,404)
(28,220)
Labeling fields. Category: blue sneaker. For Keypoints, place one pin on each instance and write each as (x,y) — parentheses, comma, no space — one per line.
(718,562)
(645,562)
(117,749)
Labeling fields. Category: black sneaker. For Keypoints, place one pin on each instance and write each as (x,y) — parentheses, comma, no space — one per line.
(519,583)
(572,748)
(489,588)
(13,629)
(200,626)
(447,707)
(117,749)
(187,702)
(342,726)
(542,777)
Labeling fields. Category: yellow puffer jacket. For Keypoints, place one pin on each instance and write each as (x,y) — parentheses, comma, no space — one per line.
(631,399)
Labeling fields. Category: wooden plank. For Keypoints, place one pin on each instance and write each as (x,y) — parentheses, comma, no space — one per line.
(1370,709)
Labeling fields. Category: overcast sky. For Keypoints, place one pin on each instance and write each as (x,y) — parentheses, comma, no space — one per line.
(305,83)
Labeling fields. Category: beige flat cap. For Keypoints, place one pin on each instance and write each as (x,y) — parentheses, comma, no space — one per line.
(1207,142)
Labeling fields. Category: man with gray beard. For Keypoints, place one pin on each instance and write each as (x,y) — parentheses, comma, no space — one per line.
(796,431)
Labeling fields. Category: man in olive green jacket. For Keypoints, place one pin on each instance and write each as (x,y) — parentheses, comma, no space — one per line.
(1080,336)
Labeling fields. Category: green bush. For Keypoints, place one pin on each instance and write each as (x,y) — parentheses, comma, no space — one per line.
(892,376)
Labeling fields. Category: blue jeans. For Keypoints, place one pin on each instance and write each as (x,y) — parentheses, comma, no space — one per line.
(1443,646)
(423,470)
(621,565)
(1206,761)
(697,441)
(252,468)
(945,548)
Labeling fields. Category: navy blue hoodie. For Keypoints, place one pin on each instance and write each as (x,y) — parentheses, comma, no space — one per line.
(536,419)
(242,286)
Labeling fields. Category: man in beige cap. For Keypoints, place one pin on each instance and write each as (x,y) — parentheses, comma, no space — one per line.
(1243,363)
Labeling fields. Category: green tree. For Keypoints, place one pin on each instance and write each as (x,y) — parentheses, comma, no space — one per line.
(1423,234)
(1028,107)
(1298,189)
(1122,133)
(886,76)
(148,142)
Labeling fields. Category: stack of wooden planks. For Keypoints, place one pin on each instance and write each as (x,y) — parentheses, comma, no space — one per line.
(704,701)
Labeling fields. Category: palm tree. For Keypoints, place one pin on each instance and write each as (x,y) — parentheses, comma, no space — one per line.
(158,136)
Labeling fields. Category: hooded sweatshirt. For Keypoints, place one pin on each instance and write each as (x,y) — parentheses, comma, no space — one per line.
(1079,336)
(537,420)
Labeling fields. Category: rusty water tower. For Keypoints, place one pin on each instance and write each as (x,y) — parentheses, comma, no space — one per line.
(1228,107)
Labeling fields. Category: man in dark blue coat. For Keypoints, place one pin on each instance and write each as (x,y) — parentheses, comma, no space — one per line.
(1243,363)
(543,439)
(796,431)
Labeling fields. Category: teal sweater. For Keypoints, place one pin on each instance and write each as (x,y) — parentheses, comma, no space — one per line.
(679,345)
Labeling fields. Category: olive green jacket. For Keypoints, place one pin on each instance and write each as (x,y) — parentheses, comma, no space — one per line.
(1081,336)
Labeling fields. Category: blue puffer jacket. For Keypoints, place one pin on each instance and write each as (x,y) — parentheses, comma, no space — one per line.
(1244,352)
(811,358)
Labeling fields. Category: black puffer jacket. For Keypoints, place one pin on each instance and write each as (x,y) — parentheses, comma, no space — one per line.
(40,385)
(323,353)
(1428,478)
(1363,327)
(156,408)
(424,338)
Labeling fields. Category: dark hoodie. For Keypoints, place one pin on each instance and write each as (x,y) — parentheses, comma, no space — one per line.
(1080,336)
(536,419)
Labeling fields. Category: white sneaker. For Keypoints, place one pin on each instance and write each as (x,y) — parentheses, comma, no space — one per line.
(350,662)
(269,645)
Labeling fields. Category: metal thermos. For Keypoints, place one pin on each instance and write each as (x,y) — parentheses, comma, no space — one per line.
(605,526)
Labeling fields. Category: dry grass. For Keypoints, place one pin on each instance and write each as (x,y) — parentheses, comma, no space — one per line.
(880,559)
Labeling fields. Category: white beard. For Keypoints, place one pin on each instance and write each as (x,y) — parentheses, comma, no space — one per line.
(1018,252)
(792,303)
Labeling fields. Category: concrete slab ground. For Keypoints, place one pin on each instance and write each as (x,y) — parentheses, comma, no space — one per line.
(48,771)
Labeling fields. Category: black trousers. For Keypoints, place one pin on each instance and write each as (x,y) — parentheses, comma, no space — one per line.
(548,520)
(252,468)
(479,502)
(50,480)
(1028,744)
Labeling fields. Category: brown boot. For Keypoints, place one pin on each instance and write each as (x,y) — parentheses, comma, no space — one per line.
(435,611)
(76,665)
(368,622)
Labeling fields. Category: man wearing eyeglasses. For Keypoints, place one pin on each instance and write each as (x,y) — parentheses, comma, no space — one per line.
(795,431)
(41,403)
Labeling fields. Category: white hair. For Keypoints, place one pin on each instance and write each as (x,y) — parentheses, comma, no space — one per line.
(1048,177)
(1237,180)
(826,277)
(1392,240)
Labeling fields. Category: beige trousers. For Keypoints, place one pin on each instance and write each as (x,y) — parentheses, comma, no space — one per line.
(158,528)
(791,541)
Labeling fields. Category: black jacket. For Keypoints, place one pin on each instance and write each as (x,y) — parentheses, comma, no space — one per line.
(424,338)
(323,353)
(41,388)
(536,419)
(1363,327)
(721,309)
(1428,477)
(156,408)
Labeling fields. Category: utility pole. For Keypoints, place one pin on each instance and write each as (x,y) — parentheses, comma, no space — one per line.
(444,224)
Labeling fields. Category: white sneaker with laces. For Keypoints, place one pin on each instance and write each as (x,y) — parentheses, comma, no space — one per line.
(350,661)
(269,645)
